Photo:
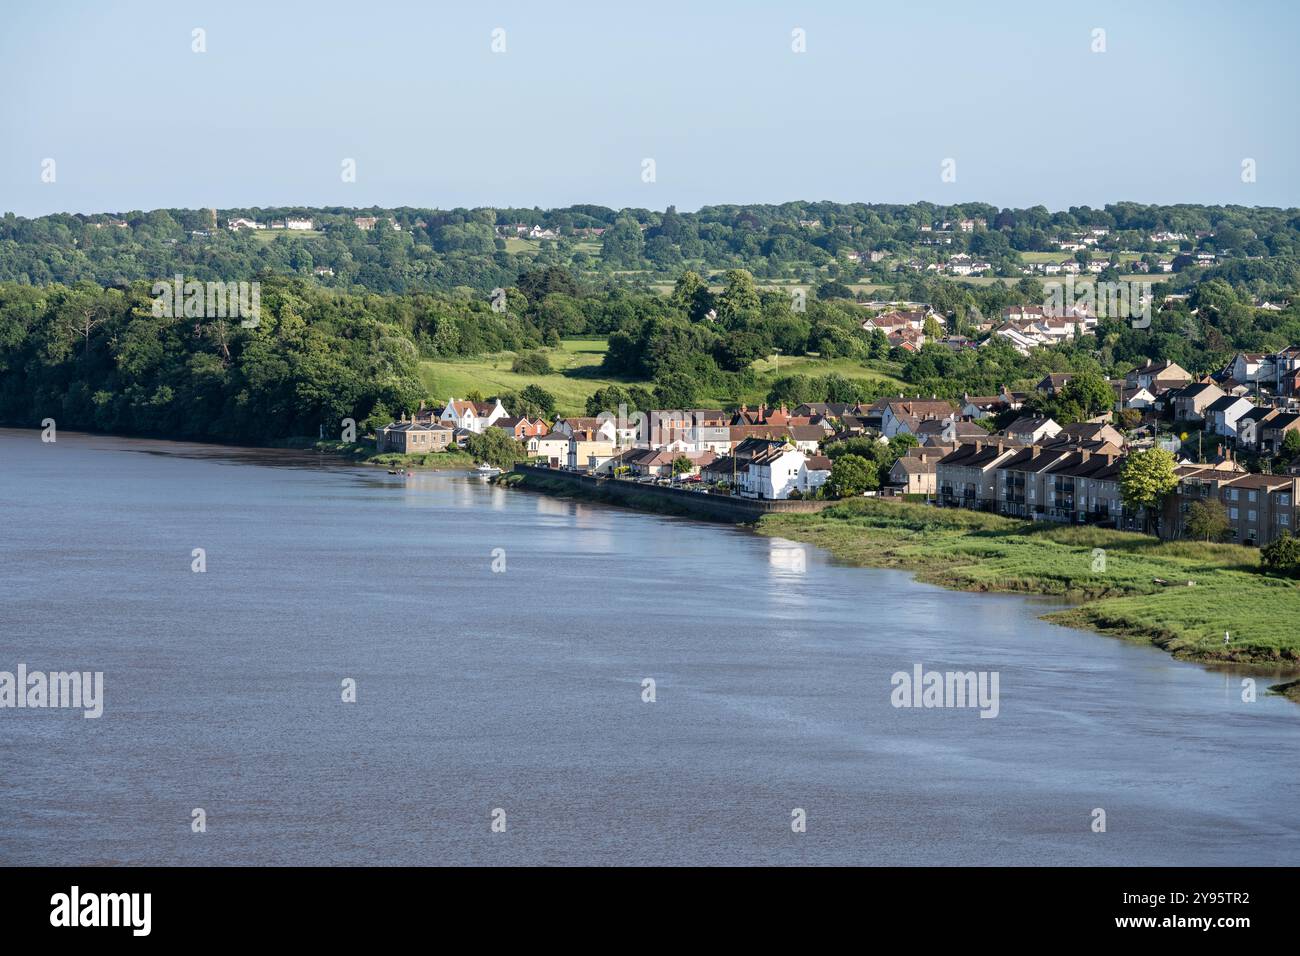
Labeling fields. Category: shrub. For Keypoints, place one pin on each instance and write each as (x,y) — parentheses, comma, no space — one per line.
(531,363)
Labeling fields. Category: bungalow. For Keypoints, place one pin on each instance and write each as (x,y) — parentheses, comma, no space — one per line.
(659,463)
(897,321)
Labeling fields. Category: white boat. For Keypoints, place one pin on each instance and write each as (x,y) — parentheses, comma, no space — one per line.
(486,470)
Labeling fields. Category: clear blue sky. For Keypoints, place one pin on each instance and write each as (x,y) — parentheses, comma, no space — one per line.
(710,90)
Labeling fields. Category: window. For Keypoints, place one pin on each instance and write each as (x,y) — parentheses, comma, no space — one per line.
(1284,499)
(1232,513)
(1284,519)
(1250,516)
(1232,494)
(1250,495)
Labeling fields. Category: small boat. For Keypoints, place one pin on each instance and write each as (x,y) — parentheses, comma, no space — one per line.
(486,470)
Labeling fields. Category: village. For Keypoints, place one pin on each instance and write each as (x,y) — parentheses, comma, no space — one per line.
(948,453)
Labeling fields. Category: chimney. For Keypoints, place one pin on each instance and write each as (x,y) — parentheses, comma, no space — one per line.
(979,446)
(1084,455)
(1000,449)
(1035,450)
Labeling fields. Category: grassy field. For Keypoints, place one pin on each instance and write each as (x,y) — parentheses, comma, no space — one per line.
(1029,257)
(979,552)
(270,235)
(769,368)
(1085,279)
(576,375)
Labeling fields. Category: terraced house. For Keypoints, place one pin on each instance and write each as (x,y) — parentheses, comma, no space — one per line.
(965,477)
(1259,507)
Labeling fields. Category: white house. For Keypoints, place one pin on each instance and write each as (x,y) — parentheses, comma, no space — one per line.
(553,447)
(773,474)
(1030,429)
(816,472)
(300,224)
(1247,367)
(1222,415)
(472,416)
(235,224)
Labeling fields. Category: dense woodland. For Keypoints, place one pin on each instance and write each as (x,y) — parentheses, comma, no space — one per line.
(440,250)
(79,341)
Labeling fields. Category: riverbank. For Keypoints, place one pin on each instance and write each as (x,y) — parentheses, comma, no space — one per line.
(1113,575)
(363,453)
(652,497)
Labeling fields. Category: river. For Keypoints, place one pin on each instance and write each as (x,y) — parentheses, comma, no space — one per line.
(521,689)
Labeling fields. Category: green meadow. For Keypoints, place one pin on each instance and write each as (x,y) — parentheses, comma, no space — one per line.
(576,375)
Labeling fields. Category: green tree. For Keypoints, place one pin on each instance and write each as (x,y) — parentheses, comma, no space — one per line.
(1291,445)
(1207,520)
(1147,477)
(738,296)
(691,295)
(531,363)
(1282,554)
(852,475)
(496,447)
(675,390)
(682,465)
(1090,391)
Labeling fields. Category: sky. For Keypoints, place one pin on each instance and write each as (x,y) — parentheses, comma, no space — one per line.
(1014,93)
